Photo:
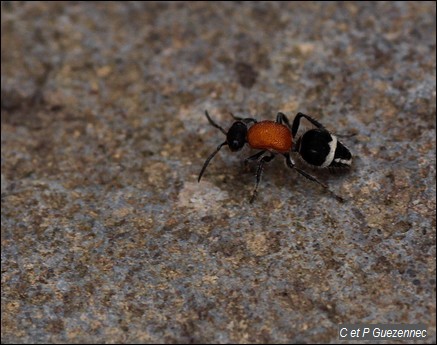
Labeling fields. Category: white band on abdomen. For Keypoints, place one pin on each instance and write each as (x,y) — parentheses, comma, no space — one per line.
(332,147)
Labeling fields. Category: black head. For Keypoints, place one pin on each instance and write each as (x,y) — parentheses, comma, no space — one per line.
(236,136)
(320,148)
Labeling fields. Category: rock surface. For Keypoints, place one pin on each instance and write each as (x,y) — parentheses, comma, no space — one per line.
(106,234)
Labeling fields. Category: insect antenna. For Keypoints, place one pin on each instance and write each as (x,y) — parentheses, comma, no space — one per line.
(213,123)
(209,159)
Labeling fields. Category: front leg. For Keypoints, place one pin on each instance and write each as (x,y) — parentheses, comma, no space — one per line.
(254,157)
(245,120)
(259,171)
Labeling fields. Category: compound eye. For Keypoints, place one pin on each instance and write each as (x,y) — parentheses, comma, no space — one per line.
(236,145)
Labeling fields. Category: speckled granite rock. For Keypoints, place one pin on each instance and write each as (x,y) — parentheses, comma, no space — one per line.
(106,234)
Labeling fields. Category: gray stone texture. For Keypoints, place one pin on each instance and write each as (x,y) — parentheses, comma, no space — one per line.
(106,234)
